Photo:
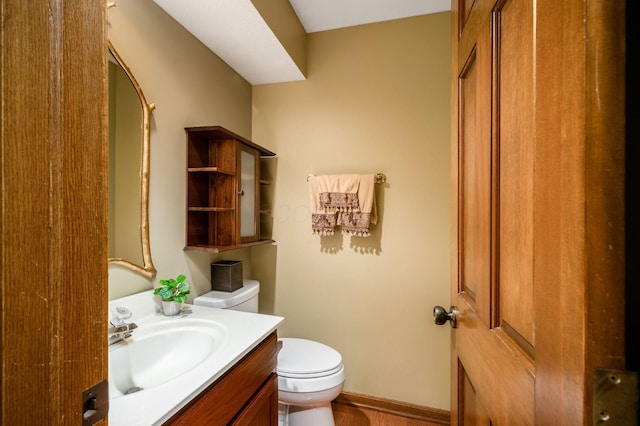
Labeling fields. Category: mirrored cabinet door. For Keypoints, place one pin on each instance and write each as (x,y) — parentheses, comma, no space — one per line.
(249,194)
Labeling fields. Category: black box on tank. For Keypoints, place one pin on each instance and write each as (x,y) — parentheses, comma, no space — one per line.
(226,275)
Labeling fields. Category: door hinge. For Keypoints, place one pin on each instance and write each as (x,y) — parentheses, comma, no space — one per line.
(615,397)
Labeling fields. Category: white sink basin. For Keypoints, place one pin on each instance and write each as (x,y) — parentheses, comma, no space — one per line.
(175,358)
(159,352)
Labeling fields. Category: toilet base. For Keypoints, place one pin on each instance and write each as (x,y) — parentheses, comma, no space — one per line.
(292,415)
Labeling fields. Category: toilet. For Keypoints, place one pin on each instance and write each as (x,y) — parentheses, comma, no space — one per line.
(310,373)
(310,376)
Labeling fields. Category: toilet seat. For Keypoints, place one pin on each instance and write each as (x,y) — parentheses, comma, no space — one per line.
(308,366)
(305,359)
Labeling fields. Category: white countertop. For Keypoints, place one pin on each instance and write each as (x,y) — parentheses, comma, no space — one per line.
(156,405)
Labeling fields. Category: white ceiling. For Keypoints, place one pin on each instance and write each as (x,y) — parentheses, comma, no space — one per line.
(321,15)
(236,32)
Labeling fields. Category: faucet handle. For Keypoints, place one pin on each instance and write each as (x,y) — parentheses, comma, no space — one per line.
(121,312)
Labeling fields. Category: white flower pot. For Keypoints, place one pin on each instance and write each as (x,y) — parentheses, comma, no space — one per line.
(171,308)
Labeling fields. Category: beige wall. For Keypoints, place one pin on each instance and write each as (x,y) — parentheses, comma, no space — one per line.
(376,100)
(190,86)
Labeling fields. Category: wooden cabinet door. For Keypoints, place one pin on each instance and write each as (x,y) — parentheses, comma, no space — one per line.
(538,215)
(262,410)
(248,175)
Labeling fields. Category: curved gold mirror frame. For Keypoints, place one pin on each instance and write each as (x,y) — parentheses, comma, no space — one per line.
(146,269)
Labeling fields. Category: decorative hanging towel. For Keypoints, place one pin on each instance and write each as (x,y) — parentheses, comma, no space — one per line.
(358,222)
(346,200)
(330,195)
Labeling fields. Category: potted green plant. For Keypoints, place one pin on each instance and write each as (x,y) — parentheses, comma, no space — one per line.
(173,293)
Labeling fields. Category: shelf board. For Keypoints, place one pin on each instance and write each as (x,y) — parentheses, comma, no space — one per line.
(210,209)
(209,170)
(218,132)
(219,249)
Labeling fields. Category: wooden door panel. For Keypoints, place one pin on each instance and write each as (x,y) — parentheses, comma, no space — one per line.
(501,372)
(538,227)
(472,409)
(474,413)
(468,32)
(513,40)
(465,11)
(494,338)
(475,177)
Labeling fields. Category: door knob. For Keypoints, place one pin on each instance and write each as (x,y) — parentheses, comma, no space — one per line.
(440,315)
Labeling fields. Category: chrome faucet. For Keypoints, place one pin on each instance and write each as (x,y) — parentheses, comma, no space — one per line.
(120,329)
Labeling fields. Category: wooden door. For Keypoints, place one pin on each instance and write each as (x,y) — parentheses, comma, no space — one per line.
(53,214)
(538,211)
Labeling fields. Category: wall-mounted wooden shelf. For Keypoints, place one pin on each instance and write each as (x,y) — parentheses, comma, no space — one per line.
(223,190)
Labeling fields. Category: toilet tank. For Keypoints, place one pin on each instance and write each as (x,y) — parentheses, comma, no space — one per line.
(243,299)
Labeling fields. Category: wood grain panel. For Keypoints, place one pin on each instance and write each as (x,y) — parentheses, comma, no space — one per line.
(262,410)
(473,411)
(496,367)
(560,253)
(478,15)
(514,74)
(25,214)
(579,269)
(54,208)
(476,183)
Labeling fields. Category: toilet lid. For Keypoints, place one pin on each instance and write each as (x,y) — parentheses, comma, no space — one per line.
(301,358)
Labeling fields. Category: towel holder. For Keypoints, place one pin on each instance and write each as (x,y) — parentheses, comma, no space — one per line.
(378,178)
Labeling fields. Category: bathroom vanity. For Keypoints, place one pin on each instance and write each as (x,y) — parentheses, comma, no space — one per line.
(227,361)
(247,394)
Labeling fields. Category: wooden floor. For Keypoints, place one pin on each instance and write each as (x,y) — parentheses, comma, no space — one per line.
(360,410)
(352,416)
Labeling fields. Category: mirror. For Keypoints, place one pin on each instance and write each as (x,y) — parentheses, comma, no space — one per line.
(129,151)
